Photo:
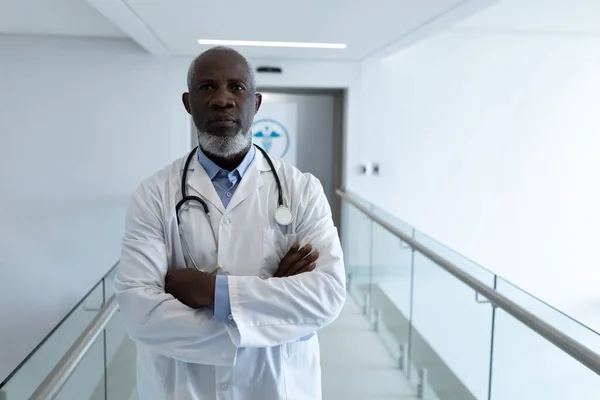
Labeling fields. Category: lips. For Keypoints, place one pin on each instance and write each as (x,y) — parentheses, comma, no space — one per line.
(222,120)
(223,124)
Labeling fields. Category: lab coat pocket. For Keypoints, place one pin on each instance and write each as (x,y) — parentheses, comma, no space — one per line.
(302,369)
(275,246)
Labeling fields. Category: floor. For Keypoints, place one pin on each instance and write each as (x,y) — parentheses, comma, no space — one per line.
(355,363)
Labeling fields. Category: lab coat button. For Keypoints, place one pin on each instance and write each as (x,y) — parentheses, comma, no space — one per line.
(225,221)
(230,317)
(224,386)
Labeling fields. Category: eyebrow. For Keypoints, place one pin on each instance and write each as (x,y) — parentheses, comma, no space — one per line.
(230,80)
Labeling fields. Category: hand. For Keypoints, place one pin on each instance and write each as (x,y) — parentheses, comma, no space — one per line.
(193,288)
(297,261)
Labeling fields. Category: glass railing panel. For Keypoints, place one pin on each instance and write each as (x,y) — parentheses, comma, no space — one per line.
(109,280)
(528,366)
(460,346)
(469,266)
(24,382)
(390,289)
(392,220)
(451,334)
(356,242)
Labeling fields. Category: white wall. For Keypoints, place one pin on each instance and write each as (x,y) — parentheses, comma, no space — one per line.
(488,141)
(82,121)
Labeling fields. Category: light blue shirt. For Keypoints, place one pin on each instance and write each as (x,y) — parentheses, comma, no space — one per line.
(225,183)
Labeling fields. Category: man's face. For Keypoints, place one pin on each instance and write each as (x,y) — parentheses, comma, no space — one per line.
(221,99)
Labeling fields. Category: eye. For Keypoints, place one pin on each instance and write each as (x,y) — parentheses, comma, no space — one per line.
(205,87)
(237,88)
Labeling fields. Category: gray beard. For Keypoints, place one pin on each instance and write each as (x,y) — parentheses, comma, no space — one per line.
(224,146)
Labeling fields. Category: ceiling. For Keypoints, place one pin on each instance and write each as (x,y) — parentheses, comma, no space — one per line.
(172,27)
(363,26)
(557,16)
(54,17)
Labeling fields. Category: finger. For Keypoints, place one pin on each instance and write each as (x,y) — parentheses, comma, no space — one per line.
(300,254)
(292,252)
(285,263)
(310,267)
(295,247)
(300,265)
(293,255)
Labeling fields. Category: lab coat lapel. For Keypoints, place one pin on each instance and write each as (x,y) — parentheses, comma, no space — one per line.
(251,181)
(203,186)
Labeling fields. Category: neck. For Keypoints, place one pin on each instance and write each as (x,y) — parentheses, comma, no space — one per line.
(228,163)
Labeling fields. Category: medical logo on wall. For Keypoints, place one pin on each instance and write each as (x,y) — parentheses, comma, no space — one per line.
(274,129)
(271,136)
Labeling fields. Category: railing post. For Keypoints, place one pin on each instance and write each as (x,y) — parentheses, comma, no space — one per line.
(367,305)
(403,358)
(377,320)
(421,386)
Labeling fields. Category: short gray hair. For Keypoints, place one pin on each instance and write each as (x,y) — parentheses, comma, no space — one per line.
(192,68)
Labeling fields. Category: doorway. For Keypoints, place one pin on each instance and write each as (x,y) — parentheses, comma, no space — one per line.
(320,138)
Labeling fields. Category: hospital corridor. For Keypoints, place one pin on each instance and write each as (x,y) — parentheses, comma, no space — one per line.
(299,200)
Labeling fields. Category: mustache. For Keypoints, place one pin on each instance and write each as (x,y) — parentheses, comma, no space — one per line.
(222,117)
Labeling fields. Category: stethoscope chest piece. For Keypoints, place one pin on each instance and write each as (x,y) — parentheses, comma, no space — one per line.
(283,216)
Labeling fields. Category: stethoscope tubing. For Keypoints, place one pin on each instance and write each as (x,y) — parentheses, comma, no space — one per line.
(185,198)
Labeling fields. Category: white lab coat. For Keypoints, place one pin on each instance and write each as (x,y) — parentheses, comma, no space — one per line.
(272,351)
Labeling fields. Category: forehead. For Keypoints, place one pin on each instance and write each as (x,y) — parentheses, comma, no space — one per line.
(222,65)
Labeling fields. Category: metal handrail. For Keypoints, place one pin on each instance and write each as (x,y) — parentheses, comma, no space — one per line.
(578,351)
(61,373)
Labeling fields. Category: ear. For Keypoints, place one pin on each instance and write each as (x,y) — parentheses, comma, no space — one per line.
(258,102)
(186,102)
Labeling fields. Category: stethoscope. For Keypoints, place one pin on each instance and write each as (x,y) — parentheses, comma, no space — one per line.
(282,215)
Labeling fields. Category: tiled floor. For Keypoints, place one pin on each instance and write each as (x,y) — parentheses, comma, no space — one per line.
(355,363)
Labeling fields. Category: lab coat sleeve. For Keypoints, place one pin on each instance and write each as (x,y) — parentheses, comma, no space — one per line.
(152,317)
(270,312)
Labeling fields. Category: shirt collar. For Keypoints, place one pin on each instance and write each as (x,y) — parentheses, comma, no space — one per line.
(213,169)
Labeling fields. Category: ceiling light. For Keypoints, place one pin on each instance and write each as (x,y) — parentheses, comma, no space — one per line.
(271,44)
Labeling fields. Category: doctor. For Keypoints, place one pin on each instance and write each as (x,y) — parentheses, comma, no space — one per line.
(226,276)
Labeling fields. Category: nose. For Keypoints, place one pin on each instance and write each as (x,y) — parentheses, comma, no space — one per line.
(222,98)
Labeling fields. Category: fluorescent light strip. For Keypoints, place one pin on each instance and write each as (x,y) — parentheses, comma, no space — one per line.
(271,44)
